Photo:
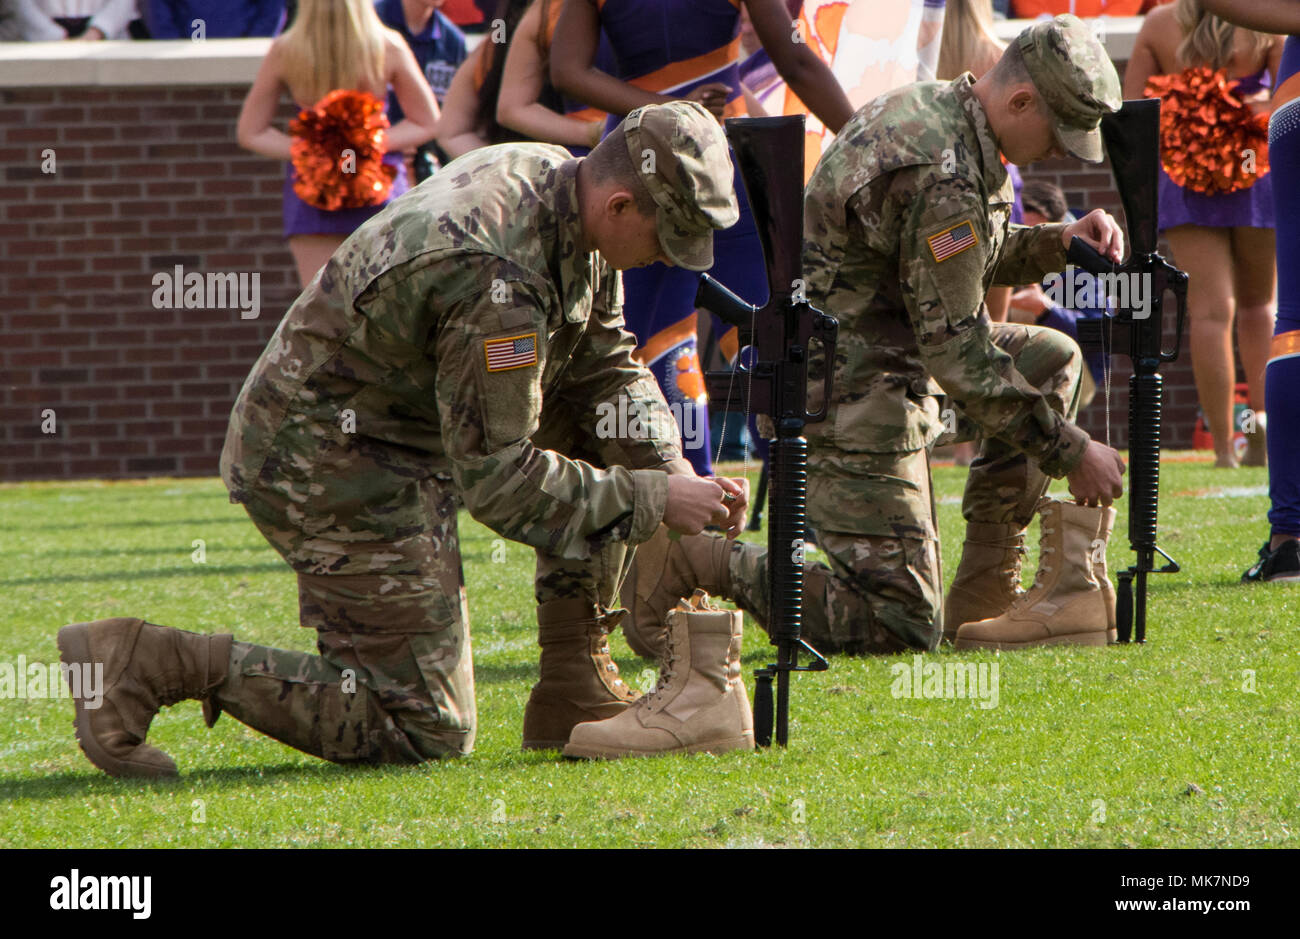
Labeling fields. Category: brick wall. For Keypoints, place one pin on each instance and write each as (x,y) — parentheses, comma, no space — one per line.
(147,178)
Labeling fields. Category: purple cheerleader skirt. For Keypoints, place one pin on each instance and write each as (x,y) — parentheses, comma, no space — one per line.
(1245,208)
(301,218)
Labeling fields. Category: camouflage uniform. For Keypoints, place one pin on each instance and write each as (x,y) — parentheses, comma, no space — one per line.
(906,225)
(457,344)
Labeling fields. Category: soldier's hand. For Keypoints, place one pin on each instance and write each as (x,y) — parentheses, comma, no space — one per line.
(712,95)
(736,499)
(1100,231)
(693,504)
(1099,479)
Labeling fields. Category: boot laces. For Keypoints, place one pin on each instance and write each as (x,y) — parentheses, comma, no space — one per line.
(666,673)
(602,651)
(1043,566)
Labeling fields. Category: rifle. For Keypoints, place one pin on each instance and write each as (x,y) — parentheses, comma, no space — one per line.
(1132,138)
(774,381)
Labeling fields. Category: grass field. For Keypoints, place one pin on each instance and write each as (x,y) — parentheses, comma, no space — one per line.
(1189,741)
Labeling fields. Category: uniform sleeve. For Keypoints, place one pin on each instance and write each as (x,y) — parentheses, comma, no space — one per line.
(943,255)
(1030,254)
(617,396)
(490,363)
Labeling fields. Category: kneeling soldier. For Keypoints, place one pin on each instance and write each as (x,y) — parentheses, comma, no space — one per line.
(461,344)
(905,229)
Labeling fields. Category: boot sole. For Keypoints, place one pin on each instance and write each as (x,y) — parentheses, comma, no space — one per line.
(579,752)
(74,649)
(1069,639)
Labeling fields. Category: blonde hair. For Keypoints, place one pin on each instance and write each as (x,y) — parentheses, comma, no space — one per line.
(969,43)
(1209,40)
(333,44)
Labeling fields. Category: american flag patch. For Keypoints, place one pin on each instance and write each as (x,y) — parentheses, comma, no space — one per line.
(954,240)
(514,352)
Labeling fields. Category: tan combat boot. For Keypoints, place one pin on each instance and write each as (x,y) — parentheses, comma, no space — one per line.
(665,570)
(699,705)
(988,577)
(145,668)
(579,681)
(1066,604)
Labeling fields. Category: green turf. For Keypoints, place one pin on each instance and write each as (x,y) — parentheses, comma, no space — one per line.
(1126,746)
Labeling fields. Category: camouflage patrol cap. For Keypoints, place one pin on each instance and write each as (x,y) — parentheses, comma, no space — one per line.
(1072,71)
(681,152)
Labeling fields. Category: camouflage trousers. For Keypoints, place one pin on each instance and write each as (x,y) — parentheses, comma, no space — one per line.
(394,679)
(881,589)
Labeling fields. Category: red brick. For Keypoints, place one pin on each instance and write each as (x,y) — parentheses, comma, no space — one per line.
(150,354)
(85,209)
(33,247)
(95,356)
(138,392)
(115,191)
(34,284)
(118,412)
(54,229)
(117,226)
(172,372)
(27,211)
(171,187)
(40,357)
(144,169)
(125,447)
(206,352)
(27,134)
(35,321)
(198,465)
(94,393)
(119,374)
(88,133)
(93,468)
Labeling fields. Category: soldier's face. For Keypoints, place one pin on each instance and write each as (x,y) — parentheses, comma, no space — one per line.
(1031,136)
(629,239)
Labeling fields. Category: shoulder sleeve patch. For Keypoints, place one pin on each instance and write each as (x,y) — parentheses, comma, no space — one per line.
(952,241)
(510,352)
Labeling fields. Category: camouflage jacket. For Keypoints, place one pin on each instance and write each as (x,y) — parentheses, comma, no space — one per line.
(439,337)
(906,226)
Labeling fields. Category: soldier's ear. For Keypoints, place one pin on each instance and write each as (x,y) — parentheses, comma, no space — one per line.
(1023,100)
(619,203)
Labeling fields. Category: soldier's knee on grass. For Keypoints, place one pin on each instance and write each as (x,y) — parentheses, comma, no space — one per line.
(1052,362)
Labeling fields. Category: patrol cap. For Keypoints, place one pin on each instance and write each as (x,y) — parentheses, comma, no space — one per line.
(681,152)
(1071,70)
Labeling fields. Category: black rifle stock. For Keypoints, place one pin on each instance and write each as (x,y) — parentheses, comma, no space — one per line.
(1135,329)
(774,381)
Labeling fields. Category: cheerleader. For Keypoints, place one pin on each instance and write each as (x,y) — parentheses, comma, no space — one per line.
(337,62)
(1216,206)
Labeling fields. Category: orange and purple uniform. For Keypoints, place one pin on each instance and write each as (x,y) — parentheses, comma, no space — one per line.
(671,47)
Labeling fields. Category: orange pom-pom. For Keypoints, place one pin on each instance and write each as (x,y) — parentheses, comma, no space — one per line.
(338,152)
(1208,134)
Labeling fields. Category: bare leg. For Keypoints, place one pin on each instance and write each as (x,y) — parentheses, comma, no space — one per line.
(310,252)
(1206,253)
(1256,289)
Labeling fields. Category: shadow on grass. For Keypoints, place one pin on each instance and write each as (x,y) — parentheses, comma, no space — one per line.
(84,528)
(93,782)
(182,551)
(193,570)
